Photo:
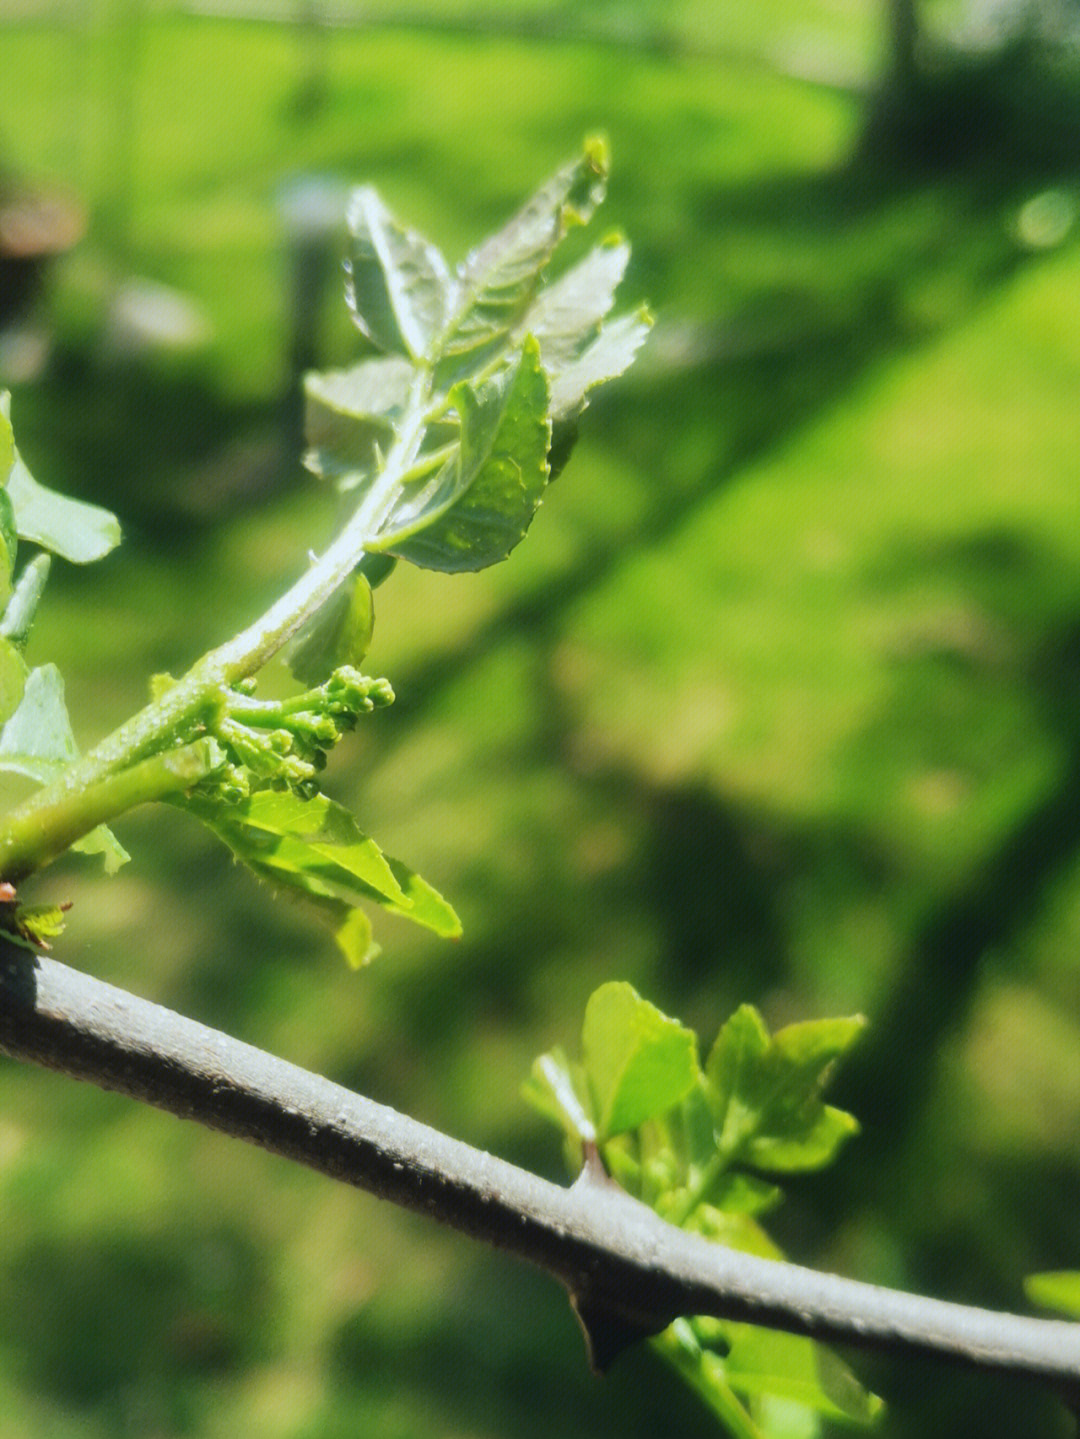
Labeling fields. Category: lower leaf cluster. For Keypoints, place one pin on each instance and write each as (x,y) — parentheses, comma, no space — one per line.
(702,1144)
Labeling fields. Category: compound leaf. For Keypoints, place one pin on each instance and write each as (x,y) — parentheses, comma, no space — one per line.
(566,314)
(607,356)
(766,1093)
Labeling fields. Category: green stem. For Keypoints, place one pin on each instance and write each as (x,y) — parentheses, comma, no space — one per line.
(177,714)
(38,832)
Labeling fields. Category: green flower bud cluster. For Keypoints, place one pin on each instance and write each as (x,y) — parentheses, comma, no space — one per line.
(283,744)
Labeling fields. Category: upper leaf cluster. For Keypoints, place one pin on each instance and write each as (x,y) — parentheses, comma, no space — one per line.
(445,438)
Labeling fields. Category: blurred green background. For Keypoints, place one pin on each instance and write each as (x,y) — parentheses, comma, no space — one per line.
(779,702)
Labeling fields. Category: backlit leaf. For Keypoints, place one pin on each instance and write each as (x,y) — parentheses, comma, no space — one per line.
(315,847)
(611,353)
(638,1062)
(566,314)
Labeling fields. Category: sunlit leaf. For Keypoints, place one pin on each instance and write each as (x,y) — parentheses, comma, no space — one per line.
(40,924)
(611,353)
(73,529)
(1057,1289)
(479,505)
(355,939)
(703,1371)
(102,841)
(762,1362)
(13,674)
(70,528)
(554,1087)
(9,544)
(316,847)
(812,1140)
(22,606)
(767,1092)
(7,436)
(498,281)
(639,1063)
(37,742)
(400,289)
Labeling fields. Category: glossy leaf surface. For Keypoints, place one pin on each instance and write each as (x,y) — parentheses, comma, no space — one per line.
(638,1062)
(479,505)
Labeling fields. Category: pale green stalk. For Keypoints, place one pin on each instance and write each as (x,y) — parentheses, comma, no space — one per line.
(31,832)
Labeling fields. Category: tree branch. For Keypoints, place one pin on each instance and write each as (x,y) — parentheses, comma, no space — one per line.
(628,1273)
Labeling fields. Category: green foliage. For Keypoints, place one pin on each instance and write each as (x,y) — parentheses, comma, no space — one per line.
(701,1144)
(442,446)
(445,438)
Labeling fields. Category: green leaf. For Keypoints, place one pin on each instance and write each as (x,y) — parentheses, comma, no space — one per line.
(7,436)
(355,939)
(481,502)
(351,415)
(37,740)
(40,923)
(766,1362)
(339,634)
(1057,1289)
(102,841)
(703,1371)
(9,544)
(399,285)
(766,1093)
(609,355)
(811,1142)
(566,315)
(13,674)
(497,283)
(638,1062)
(315,847)
(70,528)
(22,606)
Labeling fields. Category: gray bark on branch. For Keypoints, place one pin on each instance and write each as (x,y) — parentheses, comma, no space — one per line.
(628,1273)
